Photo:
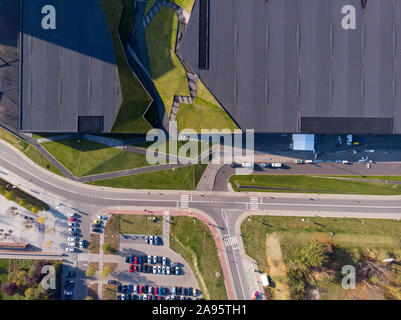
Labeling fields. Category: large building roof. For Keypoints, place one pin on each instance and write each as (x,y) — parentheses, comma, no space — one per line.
(69,76)
(289,66)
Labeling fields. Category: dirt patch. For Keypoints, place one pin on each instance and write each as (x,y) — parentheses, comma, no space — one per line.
(277,268)
(93,290)
(94,265)
(94,246)
(109,291)
(112,265)
(111,233)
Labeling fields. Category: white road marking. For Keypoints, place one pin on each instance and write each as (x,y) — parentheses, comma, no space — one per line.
(254,203)
(184,201)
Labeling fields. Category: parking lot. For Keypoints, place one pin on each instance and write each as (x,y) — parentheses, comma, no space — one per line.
(149,268)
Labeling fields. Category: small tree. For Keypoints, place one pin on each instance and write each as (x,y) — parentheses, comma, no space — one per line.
(91,248)
(11,195)
(9,288)
(107,248)
(35,209)
(23,203)
(41,220)
(106,271)
(90,272)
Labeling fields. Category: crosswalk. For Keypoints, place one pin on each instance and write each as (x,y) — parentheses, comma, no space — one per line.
(184,203)
(254,203)
(230,241)
(83,257)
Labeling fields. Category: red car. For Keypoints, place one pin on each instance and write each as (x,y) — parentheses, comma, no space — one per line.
(140,289)
(135,260)
(131,268)
(159,297)
(135,268)
(155,290)
(72,219)
(149,297)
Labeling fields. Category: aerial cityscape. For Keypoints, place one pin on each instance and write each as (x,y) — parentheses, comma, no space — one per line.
(206,150)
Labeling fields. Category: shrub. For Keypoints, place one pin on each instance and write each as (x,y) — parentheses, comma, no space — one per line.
(90,272)
(11,195)
(35,209)
(9,288)
(106,271)
(107,249)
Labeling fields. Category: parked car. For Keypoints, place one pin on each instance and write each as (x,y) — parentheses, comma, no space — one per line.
(174,290)
(159,269)
(72,244)
(73,224)
(155,240)
(146,239)
(73,239)
(140,260)
(164,261)
(154,269)
(265,165)
(150,290)
(140,290)
(119,288)
(163,270)
(168,270)
(72,215)
(135,260)
(72,219)
(154,259)
(124,289)
(160,291)
(95,225)
(127,259)
(97,222)
(135,289)
(276,165)
(177,270)
(140,268)
(97,230)
(151,239)
(130,288)
(131,268)
(190,291)
(113,282)
(149,259)
(73,229)
(81,243)
(349,139)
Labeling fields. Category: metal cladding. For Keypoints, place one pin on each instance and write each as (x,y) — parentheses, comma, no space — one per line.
(290,66)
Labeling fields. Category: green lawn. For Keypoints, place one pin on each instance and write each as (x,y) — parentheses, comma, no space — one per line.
(139,224)
(130,117)
(199,145)
(315,185)
(193,240)
(375,239)
(83,157)
(31,152)
(186,4)
(186,178)
(168,74)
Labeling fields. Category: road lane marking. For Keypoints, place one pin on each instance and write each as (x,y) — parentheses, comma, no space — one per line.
(254,203)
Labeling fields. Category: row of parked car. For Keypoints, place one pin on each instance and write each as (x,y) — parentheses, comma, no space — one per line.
(155,240)
(139,292)
(74,234)
(143,264)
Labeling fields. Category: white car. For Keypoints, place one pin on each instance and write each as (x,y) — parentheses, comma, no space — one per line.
(135,289)
(159,269)
(168,270)
(276,165)
(164,261)
(154,259)
(349,139)
(81,243)
(177,270)
(68,293)
(151,239)
(70,249)
(363,159)
(146,239)
(154,269)
(149,259)
(72,244)
(72,239)
(72,215)
(163,270)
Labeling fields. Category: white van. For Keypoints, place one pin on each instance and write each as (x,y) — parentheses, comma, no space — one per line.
(349,139)
(248,165)
(276,165)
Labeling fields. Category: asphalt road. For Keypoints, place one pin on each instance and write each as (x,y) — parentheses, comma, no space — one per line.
(226,209)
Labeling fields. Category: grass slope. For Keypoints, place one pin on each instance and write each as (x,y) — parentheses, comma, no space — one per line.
(190,237)
(139,224)
(316,185)
(135,99)
(186,178)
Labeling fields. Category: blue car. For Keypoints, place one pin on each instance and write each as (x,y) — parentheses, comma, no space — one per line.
(130,288)
(131,259)
(140,260)
(160,291)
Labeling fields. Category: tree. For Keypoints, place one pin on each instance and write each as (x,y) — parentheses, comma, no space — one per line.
(20,278)
(106,271)
(33,294)
(310,254)
(35,209)
(90,272)
(91,248)
(107,249)
(9,288)
(88,298)
(23,202)
(41,220)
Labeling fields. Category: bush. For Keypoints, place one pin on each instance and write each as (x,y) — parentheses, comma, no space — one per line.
(9,288)
(106,271)
(90,272)
(11,195)
(35,209)
(107,249)
(23,203)
(91,248)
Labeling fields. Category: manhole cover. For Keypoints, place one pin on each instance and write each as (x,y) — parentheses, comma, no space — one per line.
(217,274)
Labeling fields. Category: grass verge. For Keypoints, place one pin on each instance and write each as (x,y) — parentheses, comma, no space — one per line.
(111,233)
(30,151)
(306,184)
(193,240)
(186,178)
(94,246)
(140,224)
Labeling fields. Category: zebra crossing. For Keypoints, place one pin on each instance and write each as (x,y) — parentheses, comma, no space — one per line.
(254,203)
(184,201)
(83,257)
(230,241)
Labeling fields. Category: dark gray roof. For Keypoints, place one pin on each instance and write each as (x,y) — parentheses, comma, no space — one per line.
(70,71)
(274,62)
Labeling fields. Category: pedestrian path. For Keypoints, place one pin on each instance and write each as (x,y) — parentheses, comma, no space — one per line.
(166,229)
(83,257)
(254,203)
(184,203)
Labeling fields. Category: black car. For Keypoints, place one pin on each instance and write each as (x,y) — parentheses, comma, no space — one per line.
(119,288)
(118,297)
(127,259)
(165,291)
(134,297)
(185,292)
(159,259)
(190,291)
(124,289)
(129,296)
(179,291)
(97,230)
(95,226)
